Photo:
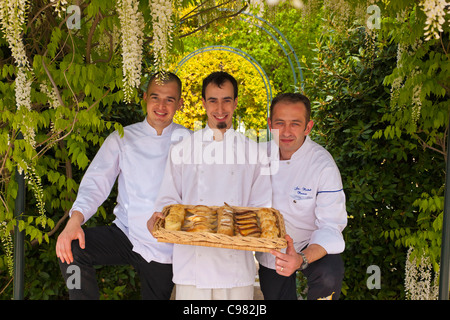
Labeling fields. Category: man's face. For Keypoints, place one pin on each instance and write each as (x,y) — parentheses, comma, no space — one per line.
(289,127)
(220,104)
(163,100)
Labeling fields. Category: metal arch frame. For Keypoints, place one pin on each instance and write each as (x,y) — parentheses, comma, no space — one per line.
(250,59)
(242,54)
(279,33)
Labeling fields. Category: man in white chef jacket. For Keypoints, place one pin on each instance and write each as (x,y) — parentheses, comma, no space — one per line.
(307,190)
(215,165)
(137,160)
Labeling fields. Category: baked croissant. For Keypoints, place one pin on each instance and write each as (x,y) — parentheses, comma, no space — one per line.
(200,219)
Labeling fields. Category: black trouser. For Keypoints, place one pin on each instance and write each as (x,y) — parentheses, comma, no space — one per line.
(108,245)
(324,277)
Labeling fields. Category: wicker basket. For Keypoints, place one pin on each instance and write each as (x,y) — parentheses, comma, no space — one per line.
(209,239)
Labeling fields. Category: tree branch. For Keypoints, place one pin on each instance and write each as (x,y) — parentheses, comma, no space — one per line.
(214,20)
(89,39)
(426,145)
(55,87)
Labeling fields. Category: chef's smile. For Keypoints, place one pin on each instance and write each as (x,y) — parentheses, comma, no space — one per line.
(160,114)
(219,103)
(221,117)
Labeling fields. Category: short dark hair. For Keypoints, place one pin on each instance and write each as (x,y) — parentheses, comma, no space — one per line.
(219,78)
(292,98)
(165,77)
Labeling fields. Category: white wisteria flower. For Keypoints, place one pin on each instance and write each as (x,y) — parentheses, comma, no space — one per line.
(162,31)
(8,246)
(418,278)
(12,20)
(435,12)
(131,26)
(59,6)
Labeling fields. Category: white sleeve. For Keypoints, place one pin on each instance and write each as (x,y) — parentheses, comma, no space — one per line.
(99,178)
(170,190)
(261,193)
(330,211)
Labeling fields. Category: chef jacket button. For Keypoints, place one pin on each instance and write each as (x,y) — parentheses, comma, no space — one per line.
(201,200)
(295,201)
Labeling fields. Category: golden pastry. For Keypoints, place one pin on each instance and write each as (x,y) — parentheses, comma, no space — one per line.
(225,223)
(247,224)
(200,219)
(268,223)
(174,220)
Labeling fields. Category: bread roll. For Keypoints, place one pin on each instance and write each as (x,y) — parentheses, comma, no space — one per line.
(268,223)
(175,218)
(172,224)
(269,234)
(177,210)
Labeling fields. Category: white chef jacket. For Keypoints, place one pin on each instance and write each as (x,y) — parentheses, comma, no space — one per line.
(203,171)
(138,160)
(308,192)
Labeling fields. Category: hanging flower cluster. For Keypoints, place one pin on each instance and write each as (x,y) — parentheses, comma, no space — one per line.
(414,76)
(162,31)
(34,182)
(131,25)
(416,97)
(59,6)
(435,12)
(53,102)
(8,246)
(12,19)
(419,284)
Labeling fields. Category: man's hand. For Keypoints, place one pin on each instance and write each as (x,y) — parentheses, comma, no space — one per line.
(151,222)
(71,232)
(287,263)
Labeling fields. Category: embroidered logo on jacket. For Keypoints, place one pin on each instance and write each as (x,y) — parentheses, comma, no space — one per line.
(301,193)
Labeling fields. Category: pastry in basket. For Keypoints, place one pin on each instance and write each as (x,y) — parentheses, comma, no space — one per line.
(199,227)
(247,224)
(200,210)
(268,223)
(175,218)
(200,219)
(225,223)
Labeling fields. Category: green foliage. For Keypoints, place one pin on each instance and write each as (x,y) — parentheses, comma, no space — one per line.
(76,101)
(75,104)
(420,83)
(382,177)
(419,107)
(380,106)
